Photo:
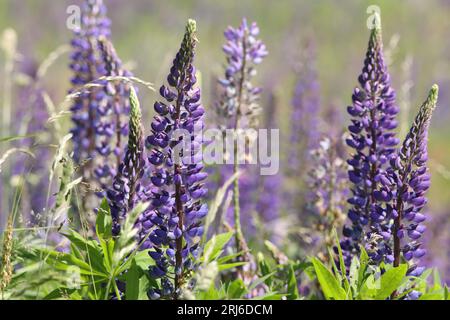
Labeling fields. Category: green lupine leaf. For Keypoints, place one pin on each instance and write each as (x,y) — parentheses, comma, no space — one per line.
(59,293)
(343,269)
(214,247)
(432,296)
(227,258)
(354,274)
(236,289)
(227,266)
(329,284)
(270,296)
(64,261)
(292,284)
(260,280)
(103,224)
(94,252)
(132,288)
(437,283)
(264,268)
(390,281)
(363,263)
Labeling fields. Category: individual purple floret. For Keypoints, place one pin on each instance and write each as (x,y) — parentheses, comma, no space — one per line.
(411,180)
(178,176)
(373,140)
(126,186)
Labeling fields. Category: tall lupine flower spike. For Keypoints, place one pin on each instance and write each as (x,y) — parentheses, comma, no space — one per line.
(328,184)
(112,126)
(126,187)
(239,102)
(268,204)
(373,140)
(98,113)
(177,206)
(305,103)
(85,62)
(412,180)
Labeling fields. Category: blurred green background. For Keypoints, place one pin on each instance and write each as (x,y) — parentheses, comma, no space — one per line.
(147,33)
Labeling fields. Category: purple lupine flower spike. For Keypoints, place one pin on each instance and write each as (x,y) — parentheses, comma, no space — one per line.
(239,99)
(98,113)
(94,23)
(126,186)
(328,185)
(373,140)
(305,109)
(32,113)
(411,179)
(112,128)
(177,206)
(268,204)
(304,126)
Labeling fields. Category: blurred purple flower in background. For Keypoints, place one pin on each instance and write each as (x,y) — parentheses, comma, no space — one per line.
(33,114)
(239,101)
(98,112)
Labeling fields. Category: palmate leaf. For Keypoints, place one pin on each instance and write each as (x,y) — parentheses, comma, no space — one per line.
(328,282)
(64,261)
(94,255)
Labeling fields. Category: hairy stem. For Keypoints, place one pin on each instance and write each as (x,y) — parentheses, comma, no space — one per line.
(239,238)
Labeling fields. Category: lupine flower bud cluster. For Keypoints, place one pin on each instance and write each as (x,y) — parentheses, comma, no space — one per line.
(126,186)
(178,173)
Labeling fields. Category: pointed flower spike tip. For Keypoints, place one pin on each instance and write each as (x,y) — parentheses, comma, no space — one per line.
(135,112)
(191,30)
(191,26)
(432,97)
(136,131)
